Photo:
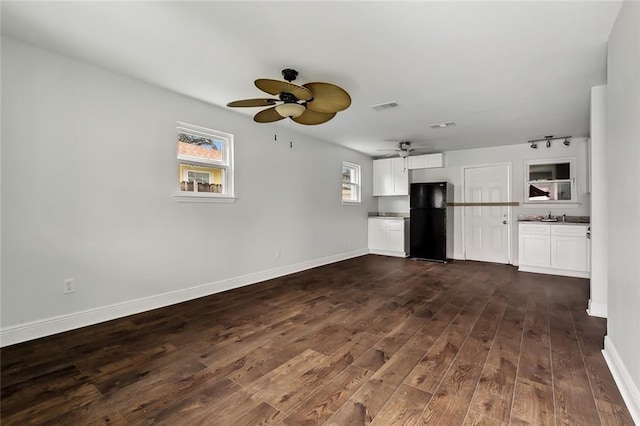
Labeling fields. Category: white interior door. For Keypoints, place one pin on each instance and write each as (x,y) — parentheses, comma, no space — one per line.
(487,227)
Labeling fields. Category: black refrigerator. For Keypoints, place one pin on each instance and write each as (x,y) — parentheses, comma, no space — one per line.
(431,221)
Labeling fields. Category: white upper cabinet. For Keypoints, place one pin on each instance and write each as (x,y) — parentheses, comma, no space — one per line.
(427,161)
(390,177)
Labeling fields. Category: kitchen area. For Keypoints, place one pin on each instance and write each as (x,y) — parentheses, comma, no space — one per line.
(550,236)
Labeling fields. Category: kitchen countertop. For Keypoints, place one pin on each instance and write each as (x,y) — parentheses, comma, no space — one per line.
(559,222)
(570,220)
(388,215)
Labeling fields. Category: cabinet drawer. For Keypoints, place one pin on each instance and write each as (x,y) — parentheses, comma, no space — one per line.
(534,229)
(569,230)
(395,225)
(377,223)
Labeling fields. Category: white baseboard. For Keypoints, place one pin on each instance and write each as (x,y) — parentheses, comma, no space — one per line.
(388,253)
(553,271)
(46,327)
(597,309)
(628,389)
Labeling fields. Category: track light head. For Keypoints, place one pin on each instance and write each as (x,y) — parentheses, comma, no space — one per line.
(548,143)
(534,145)
(566,142)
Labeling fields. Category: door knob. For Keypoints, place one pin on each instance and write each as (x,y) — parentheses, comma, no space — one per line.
(504,222)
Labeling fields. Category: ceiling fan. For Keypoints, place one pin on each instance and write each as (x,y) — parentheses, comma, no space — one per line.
(404,149)
(310,103)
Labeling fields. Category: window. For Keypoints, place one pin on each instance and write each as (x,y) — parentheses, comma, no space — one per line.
(205,163)
(350,182)
(550,181)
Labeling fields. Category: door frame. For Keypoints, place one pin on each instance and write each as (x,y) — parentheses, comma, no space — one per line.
(509,208)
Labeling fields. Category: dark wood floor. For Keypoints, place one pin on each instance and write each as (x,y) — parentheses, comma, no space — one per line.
(370,340)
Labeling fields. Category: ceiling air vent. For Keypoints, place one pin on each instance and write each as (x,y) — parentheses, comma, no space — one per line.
(442,125)
(385,106)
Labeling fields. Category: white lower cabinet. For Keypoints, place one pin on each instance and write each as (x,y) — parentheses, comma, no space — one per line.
(554,249)
(534,246)
(570,248)
(388,236)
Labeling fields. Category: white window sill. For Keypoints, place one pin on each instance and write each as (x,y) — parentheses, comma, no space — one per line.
(351,203)
(567,205)
(188,197)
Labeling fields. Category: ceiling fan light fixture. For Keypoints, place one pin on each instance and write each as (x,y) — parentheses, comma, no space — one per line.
(290,109)
(403,154)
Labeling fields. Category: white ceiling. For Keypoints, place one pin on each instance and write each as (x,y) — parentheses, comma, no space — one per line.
(505,72)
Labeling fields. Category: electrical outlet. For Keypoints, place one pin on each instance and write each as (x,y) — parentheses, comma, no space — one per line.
(68,286)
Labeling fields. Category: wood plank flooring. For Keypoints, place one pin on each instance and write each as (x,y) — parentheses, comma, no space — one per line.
(372,340)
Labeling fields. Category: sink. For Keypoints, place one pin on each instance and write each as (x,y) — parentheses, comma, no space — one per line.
(548,220)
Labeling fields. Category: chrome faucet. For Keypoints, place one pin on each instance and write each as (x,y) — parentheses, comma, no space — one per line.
(549,214)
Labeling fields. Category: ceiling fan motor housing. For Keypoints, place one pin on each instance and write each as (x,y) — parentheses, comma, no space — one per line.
(287,97)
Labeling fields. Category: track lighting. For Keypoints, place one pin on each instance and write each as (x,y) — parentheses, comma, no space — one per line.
(548,139)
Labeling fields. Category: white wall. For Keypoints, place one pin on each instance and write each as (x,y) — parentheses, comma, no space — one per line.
(622,344)
(89,172)
(599,205)
(516,155)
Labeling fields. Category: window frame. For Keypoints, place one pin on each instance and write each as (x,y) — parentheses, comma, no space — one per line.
(225,165)
(187,171)
(356,185)
(571,180)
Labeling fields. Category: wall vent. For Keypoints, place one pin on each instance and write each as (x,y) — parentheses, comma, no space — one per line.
(384,106)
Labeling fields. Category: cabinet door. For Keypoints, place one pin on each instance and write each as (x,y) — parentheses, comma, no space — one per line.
(433,160)
(417,162)
(400,176)
(382,177)
(534,250)
(569,253)
(377,234)
(396,235)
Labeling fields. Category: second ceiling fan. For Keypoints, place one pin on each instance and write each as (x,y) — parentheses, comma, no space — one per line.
(310,103)
(404,149)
